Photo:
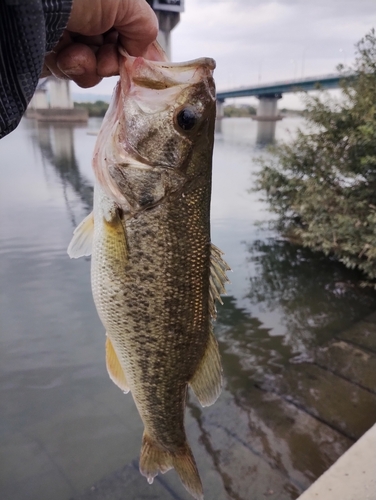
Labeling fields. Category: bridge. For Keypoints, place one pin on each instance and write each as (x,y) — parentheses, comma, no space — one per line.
(268,95)
(330,81)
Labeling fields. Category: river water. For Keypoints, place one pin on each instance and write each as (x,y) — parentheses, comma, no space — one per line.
(64,426)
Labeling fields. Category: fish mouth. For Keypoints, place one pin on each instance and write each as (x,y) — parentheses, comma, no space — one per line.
(162,74)
(159,58)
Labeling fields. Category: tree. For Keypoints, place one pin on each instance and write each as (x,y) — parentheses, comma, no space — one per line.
(322,185)
(96,109)
(243,110)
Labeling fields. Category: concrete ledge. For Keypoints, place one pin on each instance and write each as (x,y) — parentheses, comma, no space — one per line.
(59,114)
(267,118)
(352,477)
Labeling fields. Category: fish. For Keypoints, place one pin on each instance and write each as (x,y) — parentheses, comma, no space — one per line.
(155,274)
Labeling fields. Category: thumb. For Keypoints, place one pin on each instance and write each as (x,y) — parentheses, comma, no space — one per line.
(137,26)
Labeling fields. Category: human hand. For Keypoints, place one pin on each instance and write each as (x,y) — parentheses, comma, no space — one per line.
(87,51)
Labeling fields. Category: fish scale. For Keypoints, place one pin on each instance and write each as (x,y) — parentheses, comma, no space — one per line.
(180,325)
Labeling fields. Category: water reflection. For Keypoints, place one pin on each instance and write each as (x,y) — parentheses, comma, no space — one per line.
(56,143)
(247,346)
(260,444)
(316,294)
(266,132)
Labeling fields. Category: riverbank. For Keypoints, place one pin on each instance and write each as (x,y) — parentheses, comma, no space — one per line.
(352,477)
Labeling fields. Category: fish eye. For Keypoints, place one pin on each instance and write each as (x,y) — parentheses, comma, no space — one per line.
(186,118)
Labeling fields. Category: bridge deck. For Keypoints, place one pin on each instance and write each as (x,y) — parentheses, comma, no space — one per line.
(330,81)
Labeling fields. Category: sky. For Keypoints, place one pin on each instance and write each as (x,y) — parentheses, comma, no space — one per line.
(261,41)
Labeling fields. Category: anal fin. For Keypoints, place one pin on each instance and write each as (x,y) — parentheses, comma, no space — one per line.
(206,383)
(82,241)
(114,368)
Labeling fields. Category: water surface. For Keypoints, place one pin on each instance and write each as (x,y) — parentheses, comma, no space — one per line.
(63,424)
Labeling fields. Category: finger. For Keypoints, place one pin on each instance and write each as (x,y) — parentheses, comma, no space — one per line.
(135,21)
(111,37)
(108,60)
(78,62)
(137,27)
(155,53)
(89,40)
(64,41)
(87,80)
(51,64)
(50,58)
(45,72)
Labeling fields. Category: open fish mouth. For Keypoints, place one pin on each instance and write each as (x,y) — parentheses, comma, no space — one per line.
(163,74)
(155,84)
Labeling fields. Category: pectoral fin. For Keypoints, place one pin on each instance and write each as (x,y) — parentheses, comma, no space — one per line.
(218,278)
(82,240)
(114,368)
(207,381)
(115,238)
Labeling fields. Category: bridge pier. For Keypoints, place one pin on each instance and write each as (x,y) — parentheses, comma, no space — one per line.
(267,117)
(52,101)
(220,114)
(220,109)
(168,14)
(167,22)
(60,96)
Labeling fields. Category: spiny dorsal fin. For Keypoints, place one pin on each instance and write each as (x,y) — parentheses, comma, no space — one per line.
(207,381)
(114,368)
(218,278)
(82,240)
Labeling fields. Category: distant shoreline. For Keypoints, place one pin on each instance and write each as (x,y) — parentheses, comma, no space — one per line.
(99,108)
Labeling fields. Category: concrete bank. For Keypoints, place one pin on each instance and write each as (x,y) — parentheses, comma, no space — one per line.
(352,477)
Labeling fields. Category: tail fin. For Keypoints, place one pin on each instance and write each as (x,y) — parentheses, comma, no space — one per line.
(154,459)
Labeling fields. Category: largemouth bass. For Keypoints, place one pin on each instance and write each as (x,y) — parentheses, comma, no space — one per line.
(155,274)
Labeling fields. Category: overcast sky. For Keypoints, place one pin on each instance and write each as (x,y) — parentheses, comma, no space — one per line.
(263,41)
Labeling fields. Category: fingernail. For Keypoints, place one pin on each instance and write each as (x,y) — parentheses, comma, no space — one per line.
(75,71)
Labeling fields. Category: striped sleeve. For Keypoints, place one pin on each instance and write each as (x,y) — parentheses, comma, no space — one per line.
(28,29)
(56,18)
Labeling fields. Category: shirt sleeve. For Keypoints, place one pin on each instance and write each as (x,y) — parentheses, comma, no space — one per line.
(28,29)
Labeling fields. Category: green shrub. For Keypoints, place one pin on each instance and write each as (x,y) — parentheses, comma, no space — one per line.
(245,110)
(322,185)
(97,108)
